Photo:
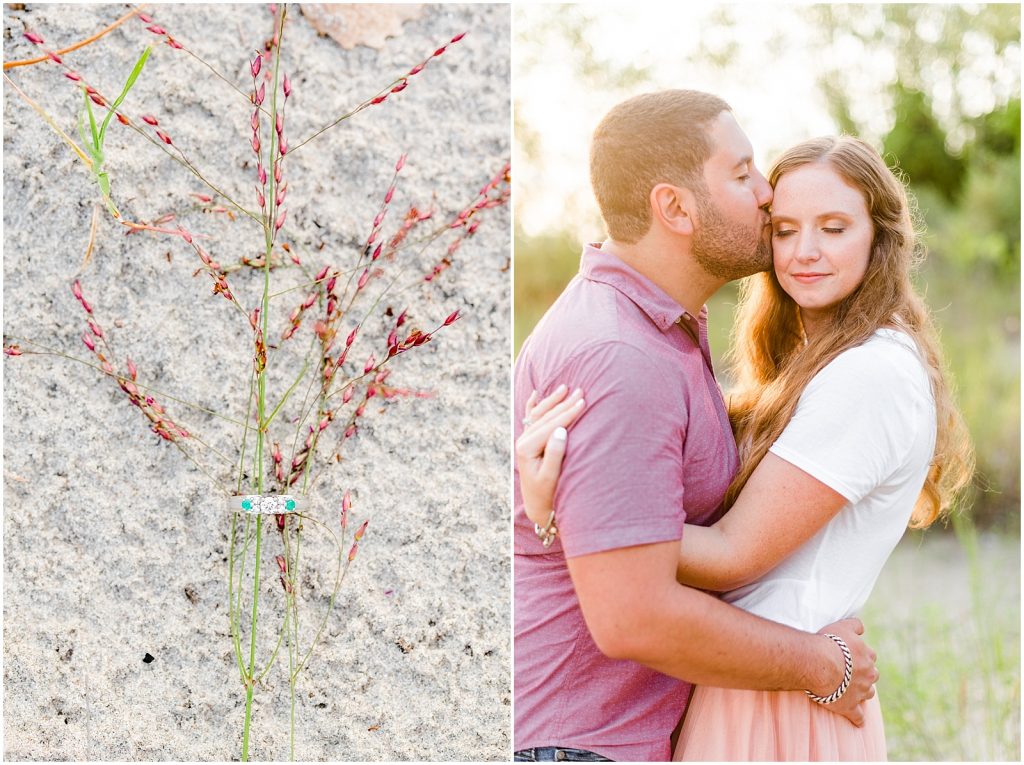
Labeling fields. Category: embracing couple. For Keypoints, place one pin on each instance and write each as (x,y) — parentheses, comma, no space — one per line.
(689,540)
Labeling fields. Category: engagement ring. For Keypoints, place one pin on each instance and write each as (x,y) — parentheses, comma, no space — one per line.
(263,504)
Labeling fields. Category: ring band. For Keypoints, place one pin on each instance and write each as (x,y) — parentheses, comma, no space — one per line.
(263,504)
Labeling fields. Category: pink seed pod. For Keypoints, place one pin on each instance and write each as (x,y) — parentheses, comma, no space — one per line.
(281,193)
(289,332)
(277,172)
(282,564)
(308,302)
(279,123)
(350,431)
(458,37)
(321,274)
(354,550)
(325,422)
(452,318)
(132,370)
(89,343)
(174,43)
(295,314)
(282,147)
(260,198)
(33,38)
(107,368)
(401,318)
(261,94)
(400,86)
(144,18)
(12,350)
(257,64)
(378,100)
(346,501)
(185,235)
(440,50)
(389,195)
(276,453)
(363,279)
(379,217)
(377,252)
(73,76)
(332,303)
(400,164)
(351,337)
(371,391)
(121,118)
(287,86)
(280,518)
(76,289)
(261,173)
(295,258)
(254,121)
(97,99)
(370,364)
(331,282)
(280,220)
(360,409)
(347,395)
(54,58)
(360,531)
(286,585)
(156,30)
(163,137)
(392,338)
(94,328)
(149,119)
(415,70)
(256,143)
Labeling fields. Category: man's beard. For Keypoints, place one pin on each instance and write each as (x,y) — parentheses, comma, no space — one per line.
(728,250)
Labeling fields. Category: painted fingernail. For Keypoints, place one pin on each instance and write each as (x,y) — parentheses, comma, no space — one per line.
(560,434)
(578,392)
(580,404)
(560,388)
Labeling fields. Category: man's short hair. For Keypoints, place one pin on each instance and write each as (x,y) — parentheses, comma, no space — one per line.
(649,139)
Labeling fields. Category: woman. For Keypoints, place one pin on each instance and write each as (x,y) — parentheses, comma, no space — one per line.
(840,375)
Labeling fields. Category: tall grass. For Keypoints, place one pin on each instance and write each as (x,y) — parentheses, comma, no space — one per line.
(945,620)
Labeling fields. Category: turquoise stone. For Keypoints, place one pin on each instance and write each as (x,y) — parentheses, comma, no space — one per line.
(246,504)
(290,504)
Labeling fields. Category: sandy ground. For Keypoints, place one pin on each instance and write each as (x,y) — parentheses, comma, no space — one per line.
(115,544)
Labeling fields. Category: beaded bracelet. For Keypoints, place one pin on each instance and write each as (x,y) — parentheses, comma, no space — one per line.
(847,674)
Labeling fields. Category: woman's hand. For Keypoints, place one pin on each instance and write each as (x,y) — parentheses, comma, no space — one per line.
(541,447)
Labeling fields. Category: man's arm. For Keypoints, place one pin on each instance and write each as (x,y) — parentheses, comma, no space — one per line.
(636,610)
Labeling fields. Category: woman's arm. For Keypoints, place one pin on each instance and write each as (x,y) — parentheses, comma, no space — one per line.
(779,509)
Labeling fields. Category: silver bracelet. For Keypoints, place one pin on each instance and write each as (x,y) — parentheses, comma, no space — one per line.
(847,674)
(546,533)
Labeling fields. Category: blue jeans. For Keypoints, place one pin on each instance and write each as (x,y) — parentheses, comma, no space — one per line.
(557,754)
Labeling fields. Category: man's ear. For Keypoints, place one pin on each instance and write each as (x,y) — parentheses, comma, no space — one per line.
(674,207)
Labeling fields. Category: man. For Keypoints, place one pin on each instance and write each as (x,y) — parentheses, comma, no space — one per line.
(605,636)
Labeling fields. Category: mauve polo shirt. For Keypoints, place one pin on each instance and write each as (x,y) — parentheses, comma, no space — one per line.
(652,449)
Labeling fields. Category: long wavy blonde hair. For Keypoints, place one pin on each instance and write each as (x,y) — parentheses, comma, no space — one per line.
(773,362)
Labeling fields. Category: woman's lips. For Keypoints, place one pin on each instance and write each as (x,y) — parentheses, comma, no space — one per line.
(808,278)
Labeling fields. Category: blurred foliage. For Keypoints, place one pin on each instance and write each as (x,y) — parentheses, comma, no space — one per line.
(967,191)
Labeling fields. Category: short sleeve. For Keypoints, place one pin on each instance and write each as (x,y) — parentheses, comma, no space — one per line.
(621,482)
(857,420)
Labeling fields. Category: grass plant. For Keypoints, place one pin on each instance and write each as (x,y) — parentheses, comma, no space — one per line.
(354,335)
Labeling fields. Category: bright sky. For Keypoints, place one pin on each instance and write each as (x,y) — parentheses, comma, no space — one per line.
(770,83)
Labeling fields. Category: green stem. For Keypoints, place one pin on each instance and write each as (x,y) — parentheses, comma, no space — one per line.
(261,384)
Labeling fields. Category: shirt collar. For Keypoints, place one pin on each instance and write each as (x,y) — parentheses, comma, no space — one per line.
(599,266)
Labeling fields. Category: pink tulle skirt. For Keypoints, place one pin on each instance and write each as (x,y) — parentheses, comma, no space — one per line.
(725,724)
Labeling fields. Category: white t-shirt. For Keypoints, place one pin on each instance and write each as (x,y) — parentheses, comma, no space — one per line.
(865,427)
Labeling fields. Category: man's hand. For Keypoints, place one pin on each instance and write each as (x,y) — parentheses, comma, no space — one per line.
(865,675)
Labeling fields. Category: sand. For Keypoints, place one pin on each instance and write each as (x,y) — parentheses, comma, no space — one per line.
(115,543)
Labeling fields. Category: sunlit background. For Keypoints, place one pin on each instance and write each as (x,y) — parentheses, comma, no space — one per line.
(936,88)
